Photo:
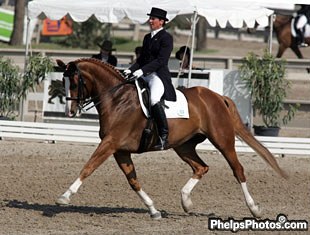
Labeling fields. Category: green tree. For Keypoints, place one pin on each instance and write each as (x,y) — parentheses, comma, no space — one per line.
(201,34)
(14,86)
(18,28)
(87,34)
(183,22)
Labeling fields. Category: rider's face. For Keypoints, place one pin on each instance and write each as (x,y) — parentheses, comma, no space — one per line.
(155,23)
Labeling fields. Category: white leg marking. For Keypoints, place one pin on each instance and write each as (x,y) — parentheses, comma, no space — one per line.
(149,203)
(185,194)
(65,198)
(255,210)
(76,185)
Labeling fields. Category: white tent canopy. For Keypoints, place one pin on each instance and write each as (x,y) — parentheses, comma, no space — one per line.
(236,12)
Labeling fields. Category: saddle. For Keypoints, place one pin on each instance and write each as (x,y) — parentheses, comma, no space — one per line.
(178,109)
(145,101)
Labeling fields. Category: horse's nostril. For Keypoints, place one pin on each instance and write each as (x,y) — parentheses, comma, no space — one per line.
(71,113)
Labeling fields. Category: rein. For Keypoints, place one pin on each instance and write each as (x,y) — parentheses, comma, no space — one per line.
(113,89)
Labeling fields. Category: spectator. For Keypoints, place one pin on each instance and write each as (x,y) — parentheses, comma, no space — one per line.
(183,54)
(105,54)
(138,51)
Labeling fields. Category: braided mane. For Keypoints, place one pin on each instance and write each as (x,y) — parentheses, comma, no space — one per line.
(108,67)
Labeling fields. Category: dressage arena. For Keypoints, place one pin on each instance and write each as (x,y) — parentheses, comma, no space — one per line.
(33,174)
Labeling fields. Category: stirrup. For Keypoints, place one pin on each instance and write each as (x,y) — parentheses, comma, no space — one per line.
(161,144)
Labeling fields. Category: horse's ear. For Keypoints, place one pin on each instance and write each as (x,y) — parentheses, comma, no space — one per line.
(61,64)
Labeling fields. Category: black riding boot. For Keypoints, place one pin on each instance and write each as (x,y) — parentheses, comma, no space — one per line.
(162,126)
(301,38)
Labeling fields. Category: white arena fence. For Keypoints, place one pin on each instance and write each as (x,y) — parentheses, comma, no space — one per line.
(89,134)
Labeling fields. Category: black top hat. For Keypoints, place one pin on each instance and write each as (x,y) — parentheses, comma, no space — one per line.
(159,13)
(106,45)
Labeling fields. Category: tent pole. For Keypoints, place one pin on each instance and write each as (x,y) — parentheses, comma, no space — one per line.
(21,105)
(194,19)
(271,18)
(27,40)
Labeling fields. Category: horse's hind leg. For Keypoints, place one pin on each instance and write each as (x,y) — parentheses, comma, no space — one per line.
(124,161)
(102,152)
(231,157)
(281,50)
(188,154)
(296,50)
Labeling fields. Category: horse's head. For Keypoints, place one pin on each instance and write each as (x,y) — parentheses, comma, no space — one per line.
(76,90)
(85,80)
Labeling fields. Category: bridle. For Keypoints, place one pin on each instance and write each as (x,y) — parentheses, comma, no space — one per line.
(80,99)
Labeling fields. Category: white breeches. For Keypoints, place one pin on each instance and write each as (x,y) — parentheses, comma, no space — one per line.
(156,87)
(302,21)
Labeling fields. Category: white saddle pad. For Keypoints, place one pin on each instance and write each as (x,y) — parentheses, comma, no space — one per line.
(177,109)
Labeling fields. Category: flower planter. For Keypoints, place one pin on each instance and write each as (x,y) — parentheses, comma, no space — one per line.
(266,131)
(2,118)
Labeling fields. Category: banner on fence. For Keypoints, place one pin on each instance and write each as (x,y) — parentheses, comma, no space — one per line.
(57,27)
(6,24)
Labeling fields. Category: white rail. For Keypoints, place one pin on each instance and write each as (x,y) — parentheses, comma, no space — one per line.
(89,134)
(204,61)
(49,131)
(276,145)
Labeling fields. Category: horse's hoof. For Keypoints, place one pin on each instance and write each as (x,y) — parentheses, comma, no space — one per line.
(256,211)
(62,201)
(187,203)
(156,216)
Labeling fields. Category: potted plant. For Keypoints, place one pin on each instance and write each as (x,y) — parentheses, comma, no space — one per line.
(265,78)
(14,86)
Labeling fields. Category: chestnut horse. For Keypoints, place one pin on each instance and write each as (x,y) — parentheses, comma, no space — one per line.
(122,122)
(282,28)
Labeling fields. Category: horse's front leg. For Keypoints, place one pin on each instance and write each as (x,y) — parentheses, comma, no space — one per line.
(103,151)
(124,161)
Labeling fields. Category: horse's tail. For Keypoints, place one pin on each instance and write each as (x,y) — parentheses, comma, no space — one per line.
(243,133)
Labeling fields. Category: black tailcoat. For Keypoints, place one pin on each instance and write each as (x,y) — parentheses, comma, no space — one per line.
(154,57)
